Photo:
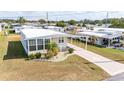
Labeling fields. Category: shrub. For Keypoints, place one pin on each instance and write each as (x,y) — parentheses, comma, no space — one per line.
(49,54)
(11,31)
(38,55)
(55,51)
(31,56)
(53,47)
(70,50)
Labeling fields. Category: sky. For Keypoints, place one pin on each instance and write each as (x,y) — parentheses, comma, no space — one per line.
(63,15)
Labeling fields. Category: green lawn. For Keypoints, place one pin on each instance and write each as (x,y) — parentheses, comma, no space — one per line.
(15,67)
(114,54)
(3,45)
(11,47)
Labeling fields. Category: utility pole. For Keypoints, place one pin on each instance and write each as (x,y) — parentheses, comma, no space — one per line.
(106,20)
(47,18)
(56,19)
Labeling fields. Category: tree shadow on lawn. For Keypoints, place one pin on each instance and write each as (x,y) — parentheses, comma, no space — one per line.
(15,50)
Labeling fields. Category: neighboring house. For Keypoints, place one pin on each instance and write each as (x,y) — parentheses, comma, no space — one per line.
(0,27)
(118,30)
(37,40)
(18,29)
(71,27)
(109,29)
(56,28)
(103,38)
(89,26)
(82,29)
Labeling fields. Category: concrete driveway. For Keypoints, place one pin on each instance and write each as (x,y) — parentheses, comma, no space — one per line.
(110,66)
(118,77)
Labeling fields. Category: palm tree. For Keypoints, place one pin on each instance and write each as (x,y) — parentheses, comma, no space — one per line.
(21,20)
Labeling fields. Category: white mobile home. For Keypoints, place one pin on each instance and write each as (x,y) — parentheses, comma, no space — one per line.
(36,40)
(0,27)
(109,29)
(56,28)
(18,29)
(104,38)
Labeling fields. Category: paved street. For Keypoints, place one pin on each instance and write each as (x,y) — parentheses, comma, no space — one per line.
(110,66)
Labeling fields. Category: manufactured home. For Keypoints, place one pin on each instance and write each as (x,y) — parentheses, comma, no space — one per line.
(3,26)
(37,40)
(18,29)
(103,38)
(109,29)
(0,27)
(55,28)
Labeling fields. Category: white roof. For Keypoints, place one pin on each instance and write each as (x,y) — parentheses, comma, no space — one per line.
(102,34)
(34,33)
(110,29)
(53,27)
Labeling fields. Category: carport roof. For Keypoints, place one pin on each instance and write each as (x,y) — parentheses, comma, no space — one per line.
(102,34)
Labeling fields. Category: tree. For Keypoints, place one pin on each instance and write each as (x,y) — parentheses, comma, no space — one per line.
(61,24)
(79,25)
(72,22)
(83,25)
(42,21)
(117,23)
(21,20)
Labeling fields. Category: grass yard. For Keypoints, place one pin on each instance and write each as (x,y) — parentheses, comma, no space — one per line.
(73,68)
(117,55)
(3,45)
(14,67)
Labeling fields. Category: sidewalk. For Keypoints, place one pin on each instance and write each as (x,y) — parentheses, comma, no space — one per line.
(110,66)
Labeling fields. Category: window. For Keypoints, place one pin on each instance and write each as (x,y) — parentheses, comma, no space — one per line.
(40,44)
(61,40)
(89,38)
(32,42)
(40,41)
(32,45)
(40,47)
(47,41)
(32,48)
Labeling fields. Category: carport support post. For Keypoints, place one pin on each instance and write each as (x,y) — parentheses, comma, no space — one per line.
(108,42)
(71,40)
(28,50)
(79,41)
(86,42)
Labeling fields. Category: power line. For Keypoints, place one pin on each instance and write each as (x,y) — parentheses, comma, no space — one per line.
(52,14)
(57,15)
